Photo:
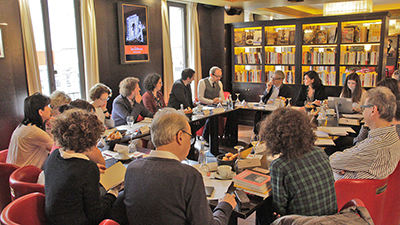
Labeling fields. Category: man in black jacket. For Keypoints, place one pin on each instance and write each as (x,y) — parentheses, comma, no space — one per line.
(275,88)
(181,93)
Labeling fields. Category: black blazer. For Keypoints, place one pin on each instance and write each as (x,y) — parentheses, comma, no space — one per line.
(285,91)
(318,95)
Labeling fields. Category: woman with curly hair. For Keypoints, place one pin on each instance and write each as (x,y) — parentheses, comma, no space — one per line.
(352,89)
(301,178)
(72,180)
(30,144)
(99,94)
(153,99)
(312,91)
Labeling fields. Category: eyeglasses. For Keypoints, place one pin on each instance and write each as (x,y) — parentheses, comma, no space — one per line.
(366,106)
(217,76)
(192,139)
(104,100)
(273,78)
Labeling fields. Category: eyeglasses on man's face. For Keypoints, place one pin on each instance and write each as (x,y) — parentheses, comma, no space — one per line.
(192,139)
(217,76)
(363,107)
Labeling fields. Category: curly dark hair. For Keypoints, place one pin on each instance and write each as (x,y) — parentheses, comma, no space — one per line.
(288,132)
(78,104)
(77,130)
(151,81)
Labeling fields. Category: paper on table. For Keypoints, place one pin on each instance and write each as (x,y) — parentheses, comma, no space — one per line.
(321,134)
(355,116)
(339,131)
(113,176)
(324,142)
(346,121)
(107,154)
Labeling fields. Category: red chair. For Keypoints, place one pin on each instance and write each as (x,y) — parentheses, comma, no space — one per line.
(371,192)
(353,202)
(5,171)
(23,181)
(391,209)
(3,155)
(108,222)
(27,210)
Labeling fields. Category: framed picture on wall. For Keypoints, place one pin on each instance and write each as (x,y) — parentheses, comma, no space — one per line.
(1,45)
(133,33)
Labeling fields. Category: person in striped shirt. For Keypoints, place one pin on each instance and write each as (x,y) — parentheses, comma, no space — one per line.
(377,156)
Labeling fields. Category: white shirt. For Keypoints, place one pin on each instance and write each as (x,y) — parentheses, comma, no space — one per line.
(202,87)
(275,93)
(163,154)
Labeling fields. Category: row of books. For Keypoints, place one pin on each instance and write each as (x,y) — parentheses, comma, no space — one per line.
(250,37)
(279,58)
(289,76)
(327,77)
(368,78)
(318,58)
(359,58)
(314,35)
(280,37)
(356,33)
(248,76)
(248,58)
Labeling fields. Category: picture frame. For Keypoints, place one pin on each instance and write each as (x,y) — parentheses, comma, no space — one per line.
(133,33)
(1,44)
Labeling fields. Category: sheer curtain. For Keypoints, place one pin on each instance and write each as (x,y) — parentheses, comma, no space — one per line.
(31,59)
(167,54)
(194,43)
(89,39)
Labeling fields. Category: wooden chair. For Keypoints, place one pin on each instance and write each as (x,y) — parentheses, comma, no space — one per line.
(371,192)
(23,181)
(391,208)
(5,171)
(27,210)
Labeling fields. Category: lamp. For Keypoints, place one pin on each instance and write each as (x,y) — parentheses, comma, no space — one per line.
(339,8)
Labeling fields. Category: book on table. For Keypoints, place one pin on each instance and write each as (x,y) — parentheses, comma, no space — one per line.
(113,176)
(253,181)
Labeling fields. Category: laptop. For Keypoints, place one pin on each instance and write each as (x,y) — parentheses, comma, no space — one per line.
(345,105)
(345,121)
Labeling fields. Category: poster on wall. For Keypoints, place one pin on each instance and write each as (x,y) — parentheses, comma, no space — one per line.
(1,45)
(133,33)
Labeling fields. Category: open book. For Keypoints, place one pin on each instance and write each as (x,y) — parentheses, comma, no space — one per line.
(113,176)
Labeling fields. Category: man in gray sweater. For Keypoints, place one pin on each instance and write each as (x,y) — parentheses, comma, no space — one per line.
(160,189)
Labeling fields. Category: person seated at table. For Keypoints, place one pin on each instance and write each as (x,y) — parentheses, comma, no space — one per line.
(159,189)
(312,91)
(392,84)
(72,180)
(127,103)
(352,89)
(153,99)
(210,89)
(275,88)
(57,99)
(396,75)
(181,92)
(99,94)
(30,144)
(377,156)
(301,178)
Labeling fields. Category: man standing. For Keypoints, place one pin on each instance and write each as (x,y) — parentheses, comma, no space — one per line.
(159,189)
(274,89)
(181,93)
(377,156)
(210,89)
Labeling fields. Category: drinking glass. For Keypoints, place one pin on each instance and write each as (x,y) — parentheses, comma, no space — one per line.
(289,102)
(261,101)
(220,103)
(238,166)
(130,121)
(204,169)
(237,99)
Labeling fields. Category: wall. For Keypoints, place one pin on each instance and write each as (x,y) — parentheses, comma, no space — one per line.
(13,79)
(110,69)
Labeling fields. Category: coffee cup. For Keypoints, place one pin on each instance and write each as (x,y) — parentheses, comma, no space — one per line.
(224,170)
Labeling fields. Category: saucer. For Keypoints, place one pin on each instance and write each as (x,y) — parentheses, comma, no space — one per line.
(231,175)
(123,157)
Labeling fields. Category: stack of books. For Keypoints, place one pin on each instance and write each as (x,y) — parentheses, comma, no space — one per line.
(252,181)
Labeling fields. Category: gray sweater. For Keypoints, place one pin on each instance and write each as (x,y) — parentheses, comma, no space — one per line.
(165,191)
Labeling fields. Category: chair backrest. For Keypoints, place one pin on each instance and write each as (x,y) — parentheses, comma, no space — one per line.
(108,222)
(23,181)
(226,95)
(353,202)
(28,209)
(371,192)
(391,209)
(3,155)
(5,171)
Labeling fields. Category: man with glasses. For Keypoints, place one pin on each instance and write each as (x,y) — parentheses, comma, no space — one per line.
(275,88)
(377,156)
(210,89)
(159,189)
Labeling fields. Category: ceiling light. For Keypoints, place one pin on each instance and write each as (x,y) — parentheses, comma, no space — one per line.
(339,8)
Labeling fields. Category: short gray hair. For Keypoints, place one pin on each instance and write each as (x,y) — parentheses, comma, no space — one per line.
(213,69)
(59,98)
(384,99)
(280,74)
(396,75)
(166,123)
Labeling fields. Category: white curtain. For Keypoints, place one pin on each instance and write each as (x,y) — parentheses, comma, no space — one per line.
(167,54)
(89,39)
(194,43)
(31,59)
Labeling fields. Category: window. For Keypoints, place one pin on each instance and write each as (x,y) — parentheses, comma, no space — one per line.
(56,28)
(177,28)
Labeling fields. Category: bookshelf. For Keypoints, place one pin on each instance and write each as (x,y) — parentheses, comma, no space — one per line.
(333,46)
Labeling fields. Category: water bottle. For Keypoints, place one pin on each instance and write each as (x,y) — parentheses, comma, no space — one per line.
(182,107)
(230,102)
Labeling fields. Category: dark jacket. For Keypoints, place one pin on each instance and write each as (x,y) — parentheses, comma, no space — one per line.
(285,91)
(180,94)
(302,96)
(123,108)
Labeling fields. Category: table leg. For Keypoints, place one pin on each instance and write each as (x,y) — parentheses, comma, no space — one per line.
(214,130)
(233,220)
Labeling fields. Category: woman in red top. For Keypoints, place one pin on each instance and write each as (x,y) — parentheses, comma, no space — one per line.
(153,99)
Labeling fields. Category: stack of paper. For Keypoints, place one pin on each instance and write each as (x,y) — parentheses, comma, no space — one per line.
(337,131)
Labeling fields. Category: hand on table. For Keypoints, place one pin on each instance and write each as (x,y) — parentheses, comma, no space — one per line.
(230,198)
(216,100)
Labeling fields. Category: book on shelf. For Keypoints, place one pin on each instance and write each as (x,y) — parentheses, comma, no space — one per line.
(257,37)
(239,38)
(347,35)
(283,37)
(363,34)
(271,37)
(374,33)
(253,181)
(292,36)
(332,35)
(322,37)
(308,36)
